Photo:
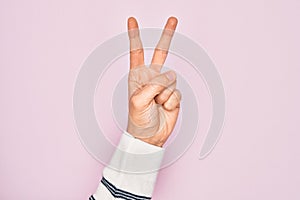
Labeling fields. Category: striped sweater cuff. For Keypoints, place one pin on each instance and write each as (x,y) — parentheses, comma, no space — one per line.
(120,178)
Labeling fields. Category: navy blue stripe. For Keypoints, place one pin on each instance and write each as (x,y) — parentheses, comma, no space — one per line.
(118,193)
(121,193)
(134,196)
(92,198)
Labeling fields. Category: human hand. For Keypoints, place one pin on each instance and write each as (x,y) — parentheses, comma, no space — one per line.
(154,101)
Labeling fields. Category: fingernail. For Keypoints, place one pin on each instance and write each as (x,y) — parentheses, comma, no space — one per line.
(171,75)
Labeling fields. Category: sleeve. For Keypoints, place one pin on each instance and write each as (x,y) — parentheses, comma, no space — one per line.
(129,176)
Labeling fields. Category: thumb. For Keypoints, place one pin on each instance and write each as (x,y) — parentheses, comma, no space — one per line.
(154,87)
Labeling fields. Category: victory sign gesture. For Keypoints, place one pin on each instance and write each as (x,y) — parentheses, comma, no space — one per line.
(154,101)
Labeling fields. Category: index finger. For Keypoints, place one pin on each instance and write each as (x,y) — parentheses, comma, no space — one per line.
(136,46)
(162,48)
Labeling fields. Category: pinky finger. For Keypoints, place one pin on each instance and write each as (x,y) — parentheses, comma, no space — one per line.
(174,101)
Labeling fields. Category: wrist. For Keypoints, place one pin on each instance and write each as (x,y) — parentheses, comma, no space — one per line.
(153,140)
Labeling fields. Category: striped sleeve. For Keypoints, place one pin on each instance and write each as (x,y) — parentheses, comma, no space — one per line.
(121,181)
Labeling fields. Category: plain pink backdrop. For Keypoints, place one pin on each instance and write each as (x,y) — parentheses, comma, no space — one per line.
(254,44)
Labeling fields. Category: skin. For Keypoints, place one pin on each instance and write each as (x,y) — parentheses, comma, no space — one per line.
(154,101)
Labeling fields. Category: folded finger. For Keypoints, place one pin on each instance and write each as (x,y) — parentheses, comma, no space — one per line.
(174,101)
(162,97)
(147,94)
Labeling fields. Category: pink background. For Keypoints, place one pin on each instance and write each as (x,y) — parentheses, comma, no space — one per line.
(254,44)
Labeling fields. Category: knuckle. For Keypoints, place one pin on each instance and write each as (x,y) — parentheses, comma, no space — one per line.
(177,95)
(159,99)
(135,102)
(161,50)
(137,51)
(168,106)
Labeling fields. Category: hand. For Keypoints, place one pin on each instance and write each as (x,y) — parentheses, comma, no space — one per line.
(154,101)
